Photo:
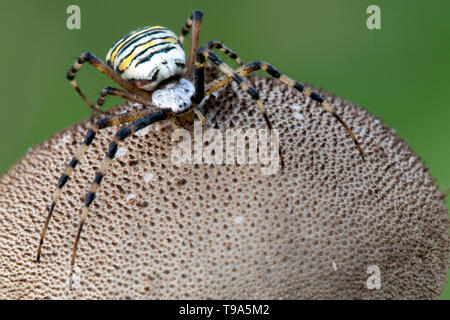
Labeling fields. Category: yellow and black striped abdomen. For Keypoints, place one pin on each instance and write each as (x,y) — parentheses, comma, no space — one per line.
(153,54)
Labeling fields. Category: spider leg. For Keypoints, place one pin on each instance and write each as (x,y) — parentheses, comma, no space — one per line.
(246,69)
(195,23)
(121,135)
(203,55)
(224,49)
(100,66)
(117,93)
(102,124)
(225,79)
(197,15)
(230,53)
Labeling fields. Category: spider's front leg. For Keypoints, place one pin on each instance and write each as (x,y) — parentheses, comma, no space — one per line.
(91,134)
(248,68)
(224,49)
(100,66)
(203,55)
(120,136)
(195,23)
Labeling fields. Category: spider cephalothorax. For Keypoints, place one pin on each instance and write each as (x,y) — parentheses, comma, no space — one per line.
(150,65)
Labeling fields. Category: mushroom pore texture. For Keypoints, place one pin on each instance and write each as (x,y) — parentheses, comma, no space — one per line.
(158,230)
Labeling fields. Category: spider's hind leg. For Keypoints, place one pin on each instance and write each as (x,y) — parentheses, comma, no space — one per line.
(248,68)
(108,91)
(90,135)
(120,136)
(253,66)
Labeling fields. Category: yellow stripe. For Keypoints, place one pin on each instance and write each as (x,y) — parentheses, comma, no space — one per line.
(126,63)
(94,187)
(130,37)
(287,80)
(56,195)
(105,166)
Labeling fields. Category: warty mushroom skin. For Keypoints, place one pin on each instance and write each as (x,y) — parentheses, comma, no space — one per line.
(162,231)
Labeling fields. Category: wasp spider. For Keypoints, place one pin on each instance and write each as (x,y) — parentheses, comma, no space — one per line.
(150,65)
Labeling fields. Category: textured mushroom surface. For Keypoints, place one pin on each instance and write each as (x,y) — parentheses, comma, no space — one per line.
(161,230)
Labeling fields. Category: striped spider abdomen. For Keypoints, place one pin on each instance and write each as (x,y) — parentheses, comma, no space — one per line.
(147,56)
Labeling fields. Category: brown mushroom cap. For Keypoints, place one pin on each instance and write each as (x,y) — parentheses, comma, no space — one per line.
(158,230)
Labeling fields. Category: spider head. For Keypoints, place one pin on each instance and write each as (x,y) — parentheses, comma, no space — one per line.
(174,96)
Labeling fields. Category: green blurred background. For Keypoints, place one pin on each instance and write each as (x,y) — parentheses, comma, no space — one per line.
(400,73)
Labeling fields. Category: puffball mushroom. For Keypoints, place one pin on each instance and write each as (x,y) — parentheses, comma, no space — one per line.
(319,229)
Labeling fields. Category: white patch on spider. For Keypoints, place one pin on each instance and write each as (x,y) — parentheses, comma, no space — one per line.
(149,177)
(175,96)
(121,152)
(334,266)
(238,220)
(131,196)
